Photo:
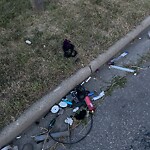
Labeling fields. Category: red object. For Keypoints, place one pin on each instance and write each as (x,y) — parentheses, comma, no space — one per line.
(89,104)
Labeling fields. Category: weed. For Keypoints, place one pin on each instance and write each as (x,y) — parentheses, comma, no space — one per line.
(117,82)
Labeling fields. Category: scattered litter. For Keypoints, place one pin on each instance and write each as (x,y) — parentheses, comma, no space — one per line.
(44,46)
(7,148)
(44,136)
(28,42)
(99,96)
(82,83)
(122,68)
(40,138)
(10,148)
(69,121)
(76,109)
(52,122)
(81,115)
(81,92)
(18,137)
(118,58)
(87,114)
(73,93)
(55,109)
(88,79)
(60,134)
(89,104)
(91,94)
(140,38)
(68,102)
(63,104)
(148,34)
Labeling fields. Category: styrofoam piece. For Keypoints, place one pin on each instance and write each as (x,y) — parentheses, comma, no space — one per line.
(18,137)
(7,148)
(76,109)
(63,104)
(28,42)
(69,121)
(15,148)
(122,68)
(99,96)
(55,109)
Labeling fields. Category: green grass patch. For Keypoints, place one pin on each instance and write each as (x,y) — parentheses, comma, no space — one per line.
(12,9)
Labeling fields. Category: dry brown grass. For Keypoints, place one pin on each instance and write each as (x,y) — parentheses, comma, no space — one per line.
(28,72)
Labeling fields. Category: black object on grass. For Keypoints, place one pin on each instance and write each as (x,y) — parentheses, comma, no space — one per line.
(68,49)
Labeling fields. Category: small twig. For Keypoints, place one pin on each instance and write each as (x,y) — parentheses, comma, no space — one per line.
(141,67)
(54,146)
(69,129)
(41,128)
(63,145)
(85,126)
(76,125)
(45,139)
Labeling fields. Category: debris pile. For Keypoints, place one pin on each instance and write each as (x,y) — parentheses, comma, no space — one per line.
(112,63)
(75,107)
(78,102)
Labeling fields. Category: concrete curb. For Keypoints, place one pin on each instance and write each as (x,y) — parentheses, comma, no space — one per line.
(119,45)
(44,104)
